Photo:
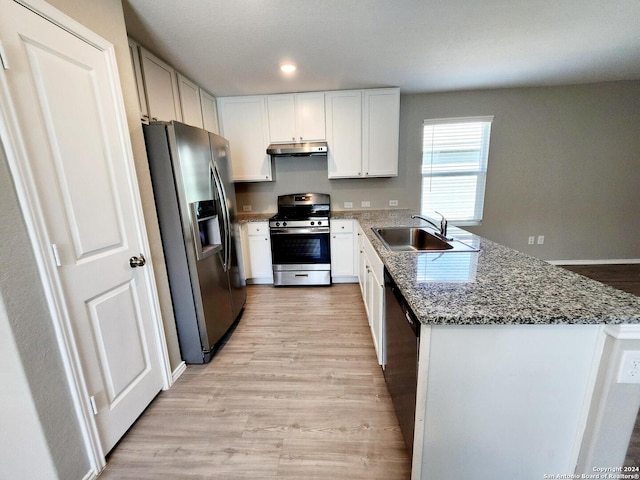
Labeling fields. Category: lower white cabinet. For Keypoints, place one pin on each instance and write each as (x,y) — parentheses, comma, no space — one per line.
(371,279)
(256,249)
(343,260)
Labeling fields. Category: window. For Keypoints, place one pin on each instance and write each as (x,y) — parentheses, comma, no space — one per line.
(454,168)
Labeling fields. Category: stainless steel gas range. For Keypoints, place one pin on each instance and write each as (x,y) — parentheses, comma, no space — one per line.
(300,244)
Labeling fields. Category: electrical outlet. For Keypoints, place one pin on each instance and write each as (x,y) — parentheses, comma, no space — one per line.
(393,203)
(540,239)
(629,367)
(365,204)
(532,240)
(348,204)
(246,208)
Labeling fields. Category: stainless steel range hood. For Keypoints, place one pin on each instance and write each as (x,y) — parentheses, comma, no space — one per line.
(304,149)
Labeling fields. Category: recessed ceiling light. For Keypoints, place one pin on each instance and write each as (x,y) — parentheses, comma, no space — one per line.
(288,67)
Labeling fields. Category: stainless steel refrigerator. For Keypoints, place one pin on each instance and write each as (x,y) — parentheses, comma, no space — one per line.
(196,206)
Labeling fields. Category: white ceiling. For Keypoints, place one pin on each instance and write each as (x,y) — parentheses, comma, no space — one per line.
(234,47)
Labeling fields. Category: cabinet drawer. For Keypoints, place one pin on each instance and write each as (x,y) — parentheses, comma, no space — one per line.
(258,228)
(342,226)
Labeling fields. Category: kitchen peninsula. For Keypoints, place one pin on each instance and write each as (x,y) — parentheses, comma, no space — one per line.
(517,360)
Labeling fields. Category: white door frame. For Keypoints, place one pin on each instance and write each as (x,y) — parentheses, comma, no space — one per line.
(12,140)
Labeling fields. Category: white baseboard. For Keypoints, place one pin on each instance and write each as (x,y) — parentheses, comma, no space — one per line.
(179,370)
(608,261)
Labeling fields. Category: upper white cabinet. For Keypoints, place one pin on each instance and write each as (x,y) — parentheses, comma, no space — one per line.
(190,106)
(243,121)
(209,112)
(380,131)
(362,133)
(296,117)
(161,85)
(137,72)
(344,133)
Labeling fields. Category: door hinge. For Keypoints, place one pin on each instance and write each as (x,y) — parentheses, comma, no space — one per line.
(94,406)
(56,255)
(3,58)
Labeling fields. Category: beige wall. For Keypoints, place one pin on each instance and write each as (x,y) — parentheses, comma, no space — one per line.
(564,162)
(38,370)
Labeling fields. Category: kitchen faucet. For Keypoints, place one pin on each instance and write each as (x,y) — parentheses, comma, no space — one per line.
(442,229)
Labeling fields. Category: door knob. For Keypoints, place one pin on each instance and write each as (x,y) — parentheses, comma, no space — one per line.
(137,261)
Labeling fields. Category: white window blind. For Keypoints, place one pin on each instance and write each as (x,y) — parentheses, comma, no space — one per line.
(454,168)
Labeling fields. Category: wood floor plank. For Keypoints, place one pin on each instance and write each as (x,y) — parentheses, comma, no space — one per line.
(295,393)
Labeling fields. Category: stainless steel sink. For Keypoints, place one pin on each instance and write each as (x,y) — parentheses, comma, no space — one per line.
(418,239)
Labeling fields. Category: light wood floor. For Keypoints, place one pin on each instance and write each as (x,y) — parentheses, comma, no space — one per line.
(622,277)
(295,393)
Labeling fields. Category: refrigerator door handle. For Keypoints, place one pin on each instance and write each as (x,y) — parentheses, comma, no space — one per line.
(225,216)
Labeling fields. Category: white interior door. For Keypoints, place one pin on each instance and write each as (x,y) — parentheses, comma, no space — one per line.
(65,92)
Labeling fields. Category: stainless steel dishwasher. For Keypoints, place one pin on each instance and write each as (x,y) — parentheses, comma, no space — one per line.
(401,371)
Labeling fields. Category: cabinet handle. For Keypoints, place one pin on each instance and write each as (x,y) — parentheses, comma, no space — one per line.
(334,236)
(155,119)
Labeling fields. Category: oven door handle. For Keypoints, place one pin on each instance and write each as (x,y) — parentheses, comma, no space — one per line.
(303,231)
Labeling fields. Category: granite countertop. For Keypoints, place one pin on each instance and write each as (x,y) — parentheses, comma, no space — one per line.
(496,285)
(243,217)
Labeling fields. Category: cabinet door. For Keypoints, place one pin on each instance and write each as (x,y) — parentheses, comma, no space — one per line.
(344,133)
(190,102)
(310,116)
(243,121)
(342,255)
(137,72)
(282,118)
(343,248)
(362,263)
(376,312)
(161,86)
(381,117)
(209,112)
(259,251)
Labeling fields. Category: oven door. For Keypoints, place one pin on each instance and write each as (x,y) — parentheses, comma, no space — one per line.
(300,246)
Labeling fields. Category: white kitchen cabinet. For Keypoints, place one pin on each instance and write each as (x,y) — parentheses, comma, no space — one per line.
(161,87)
(343,259)
(371,278)
(380,131)
(296,117)
(344,133)
(258,268)
(134,51)
(209,112)
(362,133)
(243,121)
(190,105)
